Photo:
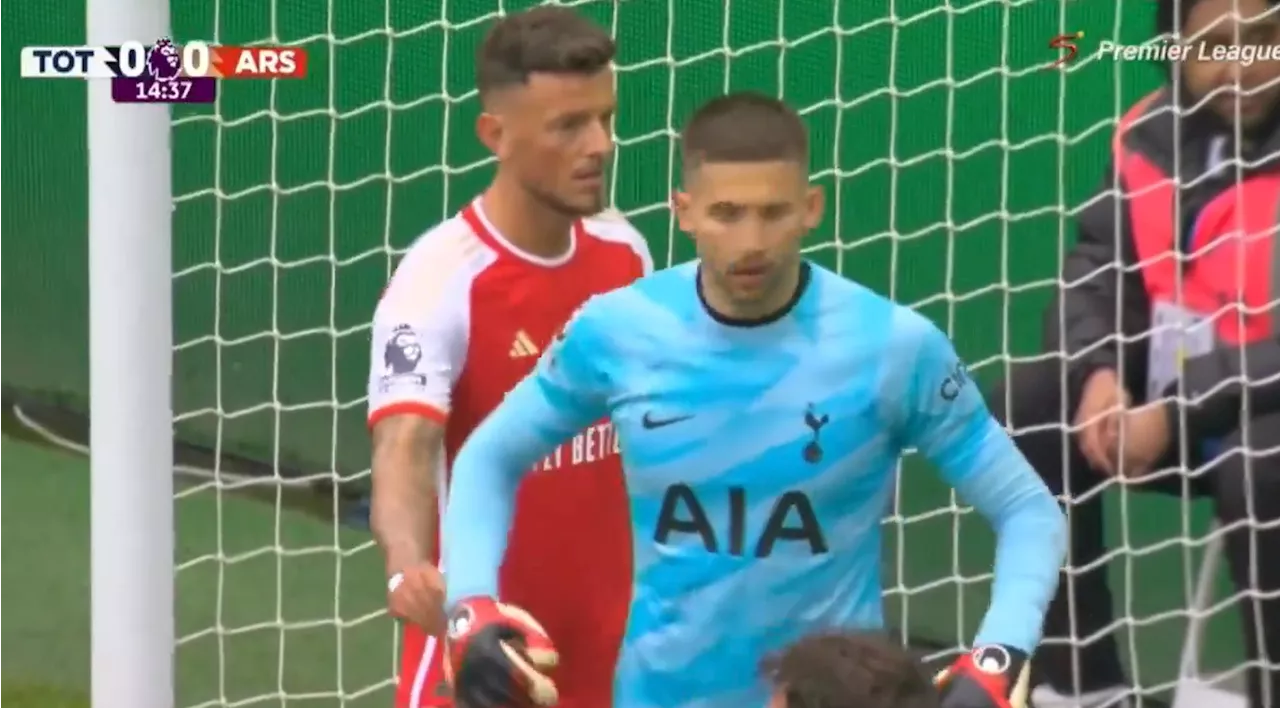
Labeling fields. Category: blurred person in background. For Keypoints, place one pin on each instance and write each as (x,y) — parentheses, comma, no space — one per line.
(1168,347)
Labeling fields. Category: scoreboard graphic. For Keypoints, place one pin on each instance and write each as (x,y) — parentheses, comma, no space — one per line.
(164,72)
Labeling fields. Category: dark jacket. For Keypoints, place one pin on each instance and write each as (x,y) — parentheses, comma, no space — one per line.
(1104,292)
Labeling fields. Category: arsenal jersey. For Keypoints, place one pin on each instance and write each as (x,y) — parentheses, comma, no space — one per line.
(464,318)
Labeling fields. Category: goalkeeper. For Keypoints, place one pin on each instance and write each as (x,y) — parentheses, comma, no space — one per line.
(762,404)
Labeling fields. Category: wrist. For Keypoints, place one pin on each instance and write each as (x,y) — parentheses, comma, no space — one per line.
(471,601)
(400,560)
(395,581)
(402,546)
(997,659)
(396,575)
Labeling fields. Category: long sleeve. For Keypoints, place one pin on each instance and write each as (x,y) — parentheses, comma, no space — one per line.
(565,393)
(948,421)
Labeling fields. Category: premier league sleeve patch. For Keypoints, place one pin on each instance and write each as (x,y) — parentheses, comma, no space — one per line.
(402,360)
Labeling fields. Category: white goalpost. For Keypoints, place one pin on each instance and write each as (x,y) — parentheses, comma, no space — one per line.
(953,162)
(130,360)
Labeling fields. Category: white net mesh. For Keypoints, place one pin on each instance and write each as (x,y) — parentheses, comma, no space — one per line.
(952,160)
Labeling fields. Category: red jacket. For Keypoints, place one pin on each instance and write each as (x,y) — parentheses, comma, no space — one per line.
(1142,230)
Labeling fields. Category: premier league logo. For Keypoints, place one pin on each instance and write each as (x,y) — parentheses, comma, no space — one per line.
(164,63)
(401,357)
(402,352)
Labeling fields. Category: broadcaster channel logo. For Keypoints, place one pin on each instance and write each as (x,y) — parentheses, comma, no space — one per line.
(1199,50)
(1164,51)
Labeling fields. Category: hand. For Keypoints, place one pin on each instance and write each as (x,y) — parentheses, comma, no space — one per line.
(991,676)
(1104,397)
(498,656)
(1146,439)
(416,594)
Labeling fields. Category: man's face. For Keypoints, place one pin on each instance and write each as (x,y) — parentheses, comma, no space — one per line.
(557,137)
(1254,86)
(747,220)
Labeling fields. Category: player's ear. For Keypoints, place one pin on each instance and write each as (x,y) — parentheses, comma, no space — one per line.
(815,202)
(681,203)
(490,132)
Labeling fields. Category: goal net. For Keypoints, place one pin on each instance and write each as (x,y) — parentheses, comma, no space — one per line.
(953,160)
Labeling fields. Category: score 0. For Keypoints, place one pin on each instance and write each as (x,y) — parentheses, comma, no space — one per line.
(196,59)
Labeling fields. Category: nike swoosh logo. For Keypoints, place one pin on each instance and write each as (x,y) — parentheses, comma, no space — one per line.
(650,423)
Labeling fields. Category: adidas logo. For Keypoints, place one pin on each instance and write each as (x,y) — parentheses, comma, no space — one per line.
(523,346)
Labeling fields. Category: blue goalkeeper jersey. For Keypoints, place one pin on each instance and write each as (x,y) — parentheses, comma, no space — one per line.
(760,461)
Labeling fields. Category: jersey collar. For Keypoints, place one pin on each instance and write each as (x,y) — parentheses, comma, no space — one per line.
(802,285)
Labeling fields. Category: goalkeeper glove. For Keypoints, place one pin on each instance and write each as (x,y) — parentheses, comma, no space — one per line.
(991,676)
(498,656)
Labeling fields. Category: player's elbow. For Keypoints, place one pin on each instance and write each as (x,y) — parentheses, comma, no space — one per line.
(496,452)
(1017,503)
(517,435)
(487,469)
(1054,523)
(403,455)
(1037,515)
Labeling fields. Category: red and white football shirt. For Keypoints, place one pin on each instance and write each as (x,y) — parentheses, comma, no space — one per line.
(463,320)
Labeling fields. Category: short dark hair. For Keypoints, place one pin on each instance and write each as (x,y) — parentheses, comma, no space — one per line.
(744,127)
(546,39)
(849,670)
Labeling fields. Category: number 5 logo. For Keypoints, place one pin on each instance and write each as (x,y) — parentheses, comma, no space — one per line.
(1065,42)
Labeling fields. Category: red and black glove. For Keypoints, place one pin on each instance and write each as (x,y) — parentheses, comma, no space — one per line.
(498,656)
(990,676)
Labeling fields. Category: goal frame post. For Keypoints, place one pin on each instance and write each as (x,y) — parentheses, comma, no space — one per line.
(130,387)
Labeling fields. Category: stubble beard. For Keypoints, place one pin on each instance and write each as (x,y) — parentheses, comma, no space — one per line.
(560,206)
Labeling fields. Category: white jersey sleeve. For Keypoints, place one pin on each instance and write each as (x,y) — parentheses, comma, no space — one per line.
(421,324)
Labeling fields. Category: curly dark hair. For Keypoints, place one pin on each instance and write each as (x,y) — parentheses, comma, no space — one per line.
(849,670)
